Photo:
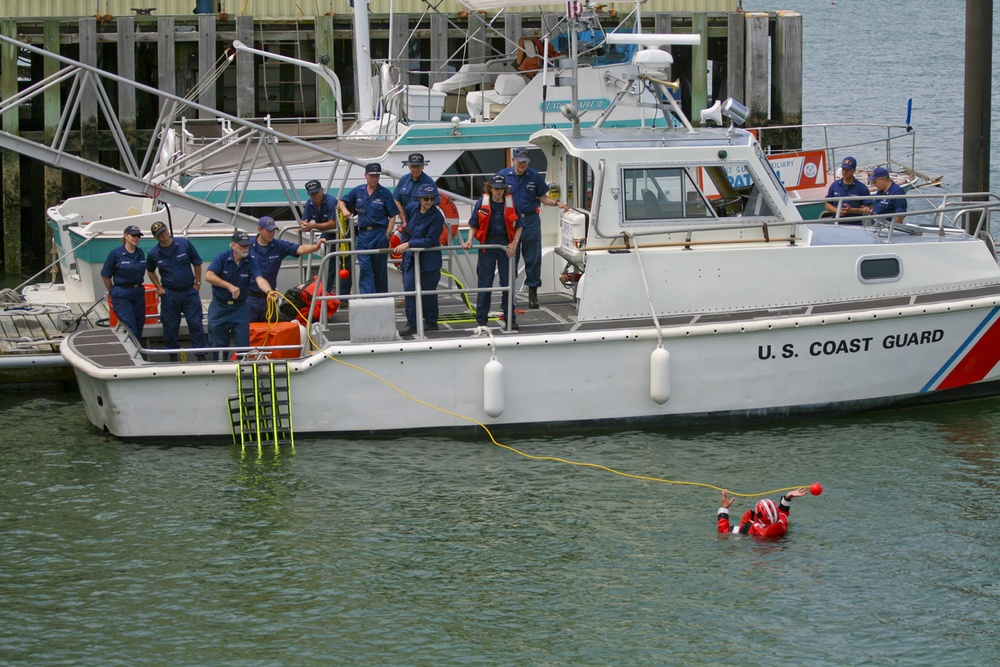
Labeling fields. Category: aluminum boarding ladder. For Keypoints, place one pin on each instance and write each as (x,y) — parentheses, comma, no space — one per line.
(261,409)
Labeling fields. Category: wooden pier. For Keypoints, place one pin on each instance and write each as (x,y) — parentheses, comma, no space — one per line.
(753,57)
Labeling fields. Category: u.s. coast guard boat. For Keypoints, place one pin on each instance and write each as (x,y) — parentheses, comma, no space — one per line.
(660,303)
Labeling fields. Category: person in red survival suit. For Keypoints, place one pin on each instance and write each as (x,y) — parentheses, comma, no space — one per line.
(766,520)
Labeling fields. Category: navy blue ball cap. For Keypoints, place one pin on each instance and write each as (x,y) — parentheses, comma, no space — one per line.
(241,238)
(157,228)
(313,186)
(498,181)
(415,160)
(849,163)
(373,168)
(521,155)
(132,230)
(427,190)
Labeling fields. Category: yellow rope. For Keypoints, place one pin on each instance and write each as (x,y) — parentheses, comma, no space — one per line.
(536,457)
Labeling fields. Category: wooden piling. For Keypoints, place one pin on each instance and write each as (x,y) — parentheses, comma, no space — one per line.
(736,48)
(11,162)
(52,110)
(699,66)
(89,134)
(326,105)
(126,94)
(786,72)
(755,82)
(207,49)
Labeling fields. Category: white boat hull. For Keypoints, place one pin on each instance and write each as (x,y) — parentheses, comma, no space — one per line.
(747,370)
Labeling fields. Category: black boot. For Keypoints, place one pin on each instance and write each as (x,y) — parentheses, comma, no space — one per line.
(532,297)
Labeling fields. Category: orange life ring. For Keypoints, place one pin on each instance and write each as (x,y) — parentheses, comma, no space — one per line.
(394,241)
(450,212)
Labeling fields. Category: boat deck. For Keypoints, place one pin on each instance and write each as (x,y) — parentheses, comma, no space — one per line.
(557,313)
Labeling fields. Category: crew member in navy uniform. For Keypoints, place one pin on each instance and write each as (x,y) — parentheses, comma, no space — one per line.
(848,186)
(406,187)
(320,214)
(886,186)
(529,189)
(766,520)
(179,265)
(425,222)
(122,274)
(230,275)
(495,222)
(269,251)
(377,212)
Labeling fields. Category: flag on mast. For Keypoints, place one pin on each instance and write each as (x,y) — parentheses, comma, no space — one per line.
(573,8)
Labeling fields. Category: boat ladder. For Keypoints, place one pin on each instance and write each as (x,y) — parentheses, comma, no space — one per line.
(261,409)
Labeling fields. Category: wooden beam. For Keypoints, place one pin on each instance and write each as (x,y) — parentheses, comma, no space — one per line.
(736,58)
(399,30)
(166,57)
(326,105)
(52,102)
(439,48)
(786,70)
(126,69)
(756,81)
(89,136)
(699,66)
(207,50)
(11,161)
(246,90)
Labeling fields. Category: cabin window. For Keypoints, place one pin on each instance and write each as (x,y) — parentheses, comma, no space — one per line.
(880,269)
(654,194)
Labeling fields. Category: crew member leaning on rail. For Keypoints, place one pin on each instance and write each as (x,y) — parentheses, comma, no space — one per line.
(230,275)
(123,272)
(425,222)
(268,251)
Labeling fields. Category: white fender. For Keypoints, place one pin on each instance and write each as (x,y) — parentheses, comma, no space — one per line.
(659,375)
(493,388)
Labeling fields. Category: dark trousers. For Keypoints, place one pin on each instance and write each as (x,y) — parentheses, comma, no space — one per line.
(530,248)
(173,304)
(130,307)
(373,272)
(429,302)
(227,322)
(492,262)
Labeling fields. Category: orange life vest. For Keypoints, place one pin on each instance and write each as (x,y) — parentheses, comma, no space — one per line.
(486,210)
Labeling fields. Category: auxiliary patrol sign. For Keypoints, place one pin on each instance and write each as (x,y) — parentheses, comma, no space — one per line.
(797,171)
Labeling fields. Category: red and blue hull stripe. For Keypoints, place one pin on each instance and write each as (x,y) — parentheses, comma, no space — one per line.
(974,358)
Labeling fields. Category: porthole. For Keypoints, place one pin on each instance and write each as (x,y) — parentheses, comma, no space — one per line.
(880,269)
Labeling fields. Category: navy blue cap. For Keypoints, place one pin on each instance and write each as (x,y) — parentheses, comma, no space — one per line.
(241,238)
(373,168)
(132,230)
(415,160)
(427,190)
(498,181)
(521,155)
(849,163)
(313,186)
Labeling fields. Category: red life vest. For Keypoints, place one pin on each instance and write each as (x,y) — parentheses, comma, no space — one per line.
(486,210)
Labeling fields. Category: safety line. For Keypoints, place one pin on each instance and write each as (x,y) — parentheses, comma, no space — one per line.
(535,457)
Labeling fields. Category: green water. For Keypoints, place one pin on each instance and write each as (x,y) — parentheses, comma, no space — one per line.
(457,552)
